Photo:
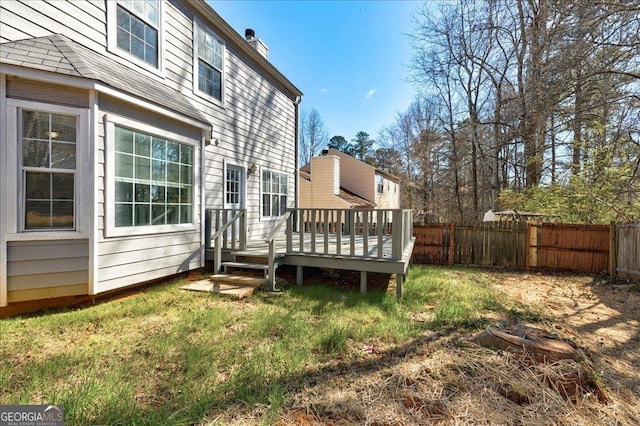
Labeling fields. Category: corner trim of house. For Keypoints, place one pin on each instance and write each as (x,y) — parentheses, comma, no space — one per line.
(3,192)
(93,162)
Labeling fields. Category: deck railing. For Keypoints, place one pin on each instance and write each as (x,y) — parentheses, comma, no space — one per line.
(225,229)
(370,233)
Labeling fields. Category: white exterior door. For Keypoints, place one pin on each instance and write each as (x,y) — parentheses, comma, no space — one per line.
(234,197)
(234,192)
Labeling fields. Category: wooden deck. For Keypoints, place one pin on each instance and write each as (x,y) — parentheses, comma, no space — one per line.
(329,254)
(363,240)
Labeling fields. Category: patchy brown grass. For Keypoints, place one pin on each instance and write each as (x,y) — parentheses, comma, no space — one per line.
(442,379)
(326,355)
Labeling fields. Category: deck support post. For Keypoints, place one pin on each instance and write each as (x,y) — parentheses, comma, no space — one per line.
(363,281)
(399,279)
(299,275)
(271,262)
(217,254)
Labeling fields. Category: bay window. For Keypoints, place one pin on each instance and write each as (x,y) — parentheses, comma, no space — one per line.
(153,180)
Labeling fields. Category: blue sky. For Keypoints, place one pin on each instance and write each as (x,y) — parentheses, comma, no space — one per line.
(349,58)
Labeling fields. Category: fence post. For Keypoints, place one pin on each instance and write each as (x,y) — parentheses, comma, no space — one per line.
(452,244)
(613,246)
(527,248)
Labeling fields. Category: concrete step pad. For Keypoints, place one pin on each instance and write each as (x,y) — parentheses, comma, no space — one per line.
(206,286)
(238,280)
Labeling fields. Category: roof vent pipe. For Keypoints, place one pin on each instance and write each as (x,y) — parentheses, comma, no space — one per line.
(249,34)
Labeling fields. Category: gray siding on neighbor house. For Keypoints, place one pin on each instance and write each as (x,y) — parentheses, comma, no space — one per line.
(44,269)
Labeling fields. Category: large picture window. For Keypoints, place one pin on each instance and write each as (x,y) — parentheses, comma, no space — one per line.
(274,194)
(210,63)
(153,180)
(138,27)
(48,170)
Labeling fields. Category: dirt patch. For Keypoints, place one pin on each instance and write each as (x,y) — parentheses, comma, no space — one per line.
(602,317)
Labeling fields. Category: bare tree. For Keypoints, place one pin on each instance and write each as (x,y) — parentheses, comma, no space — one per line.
(313,135)
(533,94)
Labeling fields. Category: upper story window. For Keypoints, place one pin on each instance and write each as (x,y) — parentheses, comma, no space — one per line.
(48,170)
(380,184)
(137,22)
(209,62)
(135,31)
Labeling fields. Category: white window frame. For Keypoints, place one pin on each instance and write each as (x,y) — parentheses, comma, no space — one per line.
(110,230)
(380,184)
(197,24)
(262,170)
(112,37)
(82,200)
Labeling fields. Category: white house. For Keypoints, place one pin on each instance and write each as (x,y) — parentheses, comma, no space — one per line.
(120,122)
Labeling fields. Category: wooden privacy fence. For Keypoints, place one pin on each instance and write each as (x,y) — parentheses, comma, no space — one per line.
(611,248)
(562,246)
(627,259)
(434,244)
(486,244)
(491,244)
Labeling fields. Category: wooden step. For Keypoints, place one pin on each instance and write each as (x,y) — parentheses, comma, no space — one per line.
(246,265)
(238,280)
(254,253)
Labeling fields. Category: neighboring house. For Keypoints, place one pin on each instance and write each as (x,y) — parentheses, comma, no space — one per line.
(339,181)
(120,122)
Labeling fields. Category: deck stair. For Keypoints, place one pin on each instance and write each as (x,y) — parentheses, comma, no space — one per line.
(235,267)
(241,276)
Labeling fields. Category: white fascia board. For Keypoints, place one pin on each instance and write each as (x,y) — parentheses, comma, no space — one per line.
(151,106)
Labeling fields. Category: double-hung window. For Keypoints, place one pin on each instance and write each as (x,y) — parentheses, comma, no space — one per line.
(209,62)
(137,28)
(274,194)
(48,170)
(380,184)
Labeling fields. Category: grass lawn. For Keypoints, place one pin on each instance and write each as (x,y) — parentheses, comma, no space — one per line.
(168,356)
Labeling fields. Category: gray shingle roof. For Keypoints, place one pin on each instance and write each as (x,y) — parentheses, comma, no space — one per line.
(59,54)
